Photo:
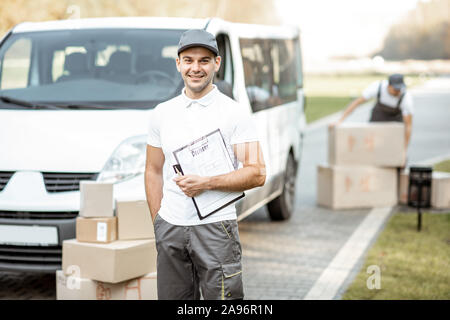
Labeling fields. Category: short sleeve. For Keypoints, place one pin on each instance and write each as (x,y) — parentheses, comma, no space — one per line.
(154,123)
(407,105)
(371,91)
(244,129)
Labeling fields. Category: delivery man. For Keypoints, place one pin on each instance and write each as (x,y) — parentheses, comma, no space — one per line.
(196,254)
(393,103)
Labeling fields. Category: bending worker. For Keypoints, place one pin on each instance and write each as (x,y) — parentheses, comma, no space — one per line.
(393,103)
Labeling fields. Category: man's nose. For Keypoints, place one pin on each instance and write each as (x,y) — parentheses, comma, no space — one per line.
(195,66)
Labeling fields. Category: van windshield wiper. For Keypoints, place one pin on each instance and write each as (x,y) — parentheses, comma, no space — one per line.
(28,104)
(83,106)
(56,106)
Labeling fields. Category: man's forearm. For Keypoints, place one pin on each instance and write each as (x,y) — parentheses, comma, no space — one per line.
(407,135)
(355,103)
(239,180)
(407,120)
(153,191)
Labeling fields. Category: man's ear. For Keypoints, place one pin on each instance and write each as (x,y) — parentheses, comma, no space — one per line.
(217,61)
(177,61)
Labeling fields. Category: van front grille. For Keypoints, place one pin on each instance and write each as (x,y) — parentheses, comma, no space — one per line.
(30,254)
(38,215)
(60,182)
(4,178)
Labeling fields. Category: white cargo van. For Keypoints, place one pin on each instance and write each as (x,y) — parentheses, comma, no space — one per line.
(75,99)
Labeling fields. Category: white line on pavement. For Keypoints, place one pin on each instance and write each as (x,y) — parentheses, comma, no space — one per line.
(332,278)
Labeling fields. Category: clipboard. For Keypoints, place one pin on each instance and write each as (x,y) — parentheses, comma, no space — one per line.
(219,199)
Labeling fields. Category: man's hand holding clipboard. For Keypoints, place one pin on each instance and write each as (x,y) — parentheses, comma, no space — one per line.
(191,185)
(207,174)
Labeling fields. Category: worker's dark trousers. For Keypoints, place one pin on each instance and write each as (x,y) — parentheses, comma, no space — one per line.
(203,257)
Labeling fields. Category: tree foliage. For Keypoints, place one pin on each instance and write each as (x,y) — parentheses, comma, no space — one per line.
(13,12)
(423,34)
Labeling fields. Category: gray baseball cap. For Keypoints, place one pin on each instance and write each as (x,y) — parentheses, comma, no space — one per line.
(396,80)
(198,38)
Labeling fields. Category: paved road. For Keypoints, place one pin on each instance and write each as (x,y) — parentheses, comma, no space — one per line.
(283,260)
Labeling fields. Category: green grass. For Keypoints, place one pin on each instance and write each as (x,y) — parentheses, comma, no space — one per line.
(319,107)
(338,85)
(414,265)
(442,166)
(327,94)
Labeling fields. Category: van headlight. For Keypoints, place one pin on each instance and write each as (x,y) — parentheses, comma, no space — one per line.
(126,162)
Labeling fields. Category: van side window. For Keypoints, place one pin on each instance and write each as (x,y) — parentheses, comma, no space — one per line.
(284,71)
(224,77)
(257,72)
(270,71)
(16,65)
(298,62)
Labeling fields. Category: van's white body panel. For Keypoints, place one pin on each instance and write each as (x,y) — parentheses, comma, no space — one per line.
(65,141)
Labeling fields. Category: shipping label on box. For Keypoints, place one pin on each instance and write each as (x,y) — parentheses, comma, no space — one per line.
(344,187)
(96,199)
(101,230)
(110,262)
(134,220)
(372,144)
(71,287)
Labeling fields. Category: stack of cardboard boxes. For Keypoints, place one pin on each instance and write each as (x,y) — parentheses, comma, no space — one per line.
(362,166)
(114,253)
(362,169)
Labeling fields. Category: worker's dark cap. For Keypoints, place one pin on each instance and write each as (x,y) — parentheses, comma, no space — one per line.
(198,38)
(396,80)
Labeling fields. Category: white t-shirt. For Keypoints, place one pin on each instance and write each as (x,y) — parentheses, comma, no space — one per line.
(181,120)
(387,99)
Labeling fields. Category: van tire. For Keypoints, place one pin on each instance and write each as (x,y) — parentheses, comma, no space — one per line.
(281,207)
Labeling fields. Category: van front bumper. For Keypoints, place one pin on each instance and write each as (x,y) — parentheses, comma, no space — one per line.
(24,258)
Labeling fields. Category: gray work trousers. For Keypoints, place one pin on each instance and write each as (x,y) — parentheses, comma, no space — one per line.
(203,257)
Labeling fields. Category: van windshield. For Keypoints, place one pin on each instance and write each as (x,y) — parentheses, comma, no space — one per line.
(118,68)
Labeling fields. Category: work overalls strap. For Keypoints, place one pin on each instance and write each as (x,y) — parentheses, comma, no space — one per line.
(382,112)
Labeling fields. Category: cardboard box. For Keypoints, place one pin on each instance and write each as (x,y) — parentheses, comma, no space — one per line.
(135,220)
(373,144)
(100,230)
(96,199)
(70,287)
(344,187)
(109,262)
(403,184)
(440,189)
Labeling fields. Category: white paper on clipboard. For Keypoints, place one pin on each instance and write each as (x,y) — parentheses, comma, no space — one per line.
(208,156)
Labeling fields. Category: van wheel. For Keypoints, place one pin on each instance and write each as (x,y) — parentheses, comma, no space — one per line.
(281,208)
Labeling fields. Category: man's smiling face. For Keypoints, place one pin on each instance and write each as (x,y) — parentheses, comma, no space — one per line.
(197,66)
